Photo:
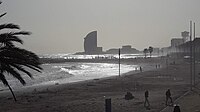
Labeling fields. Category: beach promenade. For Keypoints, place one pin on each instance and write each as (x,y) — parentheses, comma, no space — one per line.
(189,102)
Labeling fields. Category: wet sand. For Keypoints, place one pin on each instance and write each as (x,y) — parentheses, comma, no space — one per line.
(89,96)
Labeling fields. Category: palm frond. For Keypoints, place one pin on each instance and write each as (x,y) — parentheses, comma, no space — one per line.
(19,54)
(23,63)
(3,79)
(36,68)
(15,74)
(9,38)
(3,14)
(22,69)
(13,59)
(21,33)
(9,26)
(20,57)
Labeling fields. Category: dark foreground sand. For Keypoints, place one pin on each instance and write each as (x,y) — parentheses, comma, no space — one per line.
(89,96)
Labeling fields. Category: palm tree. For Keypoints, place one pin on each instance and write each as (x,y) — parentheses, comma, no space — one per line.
(150,50)
(145,52)
(14,59)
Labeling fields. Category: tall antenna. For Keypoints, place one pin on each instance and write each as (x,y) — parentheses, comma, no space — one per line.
(194,52)
(191,55)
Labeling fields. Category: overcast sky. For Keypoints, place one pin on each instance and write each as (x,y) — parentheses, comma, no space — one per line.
(59,26)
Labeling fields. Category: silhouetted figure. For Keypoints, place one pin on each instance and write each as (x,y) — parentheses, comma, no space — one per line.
(177,109)
(156,66)
(129,96)
(135,68)
(140,69)
(168,96)
(146,102)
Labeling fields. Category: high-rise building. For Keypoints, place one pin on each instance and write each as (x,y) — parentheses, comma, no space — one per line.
(90,44)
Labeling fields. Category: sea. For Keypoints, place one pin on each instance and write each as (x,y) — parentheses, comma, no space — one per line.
(69,72)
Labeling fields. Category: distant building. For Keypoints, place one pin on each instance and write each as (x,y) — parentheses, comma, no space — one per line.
(165,51)
(90,44)
(181,46)
(176,42)
(156,50)
(127,49)
(186,46)
(185,36)
(112,51)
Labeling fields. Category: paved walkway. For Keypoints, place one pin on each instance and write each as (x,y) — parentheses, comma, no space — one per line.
(189,102)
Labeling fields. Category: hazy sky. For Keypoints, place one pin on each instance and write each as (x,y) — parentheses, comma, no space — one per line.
(59,26)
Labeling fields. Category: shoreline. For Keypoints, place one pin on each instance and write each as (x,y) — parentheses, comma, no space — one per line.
(90,95)
(140,62)
(41,86)
(101,60)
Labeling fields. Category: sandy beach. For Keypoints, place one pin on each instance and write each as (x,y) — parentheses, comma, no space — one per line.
(89,96)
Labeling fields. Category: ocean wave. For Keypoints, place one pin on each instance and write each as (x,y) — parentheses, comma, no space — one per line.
(71,72)
(84,66)
(65,71)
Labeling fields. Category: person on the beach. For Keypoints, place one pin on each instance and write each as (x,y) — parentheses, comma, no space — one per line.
(140,69)
(146,102)
(168,96)
(135,68)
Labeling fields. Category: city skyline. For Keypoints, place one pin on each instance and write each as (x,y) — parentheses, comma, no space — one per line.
(60,26)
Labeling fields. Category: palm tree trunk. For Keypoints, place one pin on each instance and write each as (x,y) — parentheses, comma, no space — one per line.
(12,92)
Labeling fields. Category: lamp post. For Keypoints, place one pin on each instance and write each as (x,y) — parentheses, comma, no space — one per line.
(194,53)
(119,62)
(191,55)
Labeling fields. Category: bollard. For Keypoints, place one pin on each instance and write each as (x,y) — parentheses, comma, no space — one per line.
(108,105)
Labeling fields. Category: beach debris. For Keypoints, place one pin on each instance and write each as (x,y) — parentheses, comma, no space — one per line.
(56,83)
(9,98)
(177,108)
(129,96)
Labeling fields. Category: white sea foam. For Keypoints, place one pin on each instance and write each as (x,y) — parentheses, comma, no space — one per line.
(70,72)
(73,71)
(108,56)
